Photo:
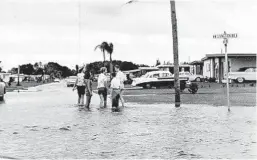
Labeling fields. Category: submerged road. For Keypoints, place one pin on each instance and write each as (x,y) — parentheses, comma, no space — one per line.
(44,122)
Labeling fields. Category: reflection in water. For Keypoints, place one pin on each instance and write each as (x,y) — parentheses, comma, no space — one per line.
(49,125)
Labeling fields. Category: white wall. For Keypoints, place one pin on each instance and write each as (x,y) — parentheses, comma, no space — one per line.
(207,68)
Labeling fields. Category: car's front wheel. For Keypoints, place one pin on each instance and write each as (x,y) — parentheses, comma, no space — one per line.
(198,79)
(240,79)
(147,86)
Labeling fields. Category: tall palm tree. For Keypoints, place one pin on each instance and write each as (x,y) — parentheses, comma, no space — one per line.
(105,47)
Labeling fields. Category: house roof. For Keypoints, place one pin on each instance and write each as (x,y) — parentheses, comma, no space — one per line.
(196,62)
(171,65)
(207,56)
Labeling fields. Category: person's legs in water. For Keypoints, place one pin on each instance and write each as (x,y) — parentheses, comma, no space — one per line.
(100,92)
(105,97)
(79,95)
(79,99)
(88,100)
(82,100)
(121,97)
(115,100)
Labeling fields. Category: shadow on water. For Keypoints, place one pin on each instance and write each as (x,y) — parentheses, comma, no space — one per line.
(7,157)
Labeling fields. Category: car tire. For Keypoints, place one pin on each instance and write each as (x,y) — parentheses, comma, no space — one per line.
(198,79)
(2,98)
(240,79)
(148,86)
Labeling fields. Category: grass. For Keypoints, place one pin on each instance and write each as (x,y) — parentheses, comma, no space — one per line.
(208,93)
(23,85)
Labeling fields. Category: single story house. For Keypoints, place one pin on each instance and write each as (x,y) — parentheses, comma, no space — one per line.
(197,67)
(214,64)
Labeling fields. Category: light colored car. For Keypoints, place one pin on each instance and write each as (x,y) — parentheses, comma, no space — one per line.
(156,79)
(71,80)
(192,77)
(56,80)
(2,90)
(243,74)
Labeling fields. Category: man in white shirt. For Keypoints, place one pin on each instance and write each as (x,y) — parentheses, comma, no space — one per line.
(115,92)
(121,76)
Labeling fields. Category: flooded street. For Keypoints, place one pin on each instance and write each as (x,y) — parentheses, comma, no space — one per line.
(44,122)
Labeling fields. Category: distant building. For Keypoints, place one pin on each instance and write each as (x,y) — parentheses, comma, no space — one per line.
(5,76)
(197,67)
(170,67)
(214,64)
(140,71)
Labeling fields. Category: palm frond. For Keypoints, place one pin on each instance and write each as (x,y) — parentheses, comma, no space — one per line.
(98,46)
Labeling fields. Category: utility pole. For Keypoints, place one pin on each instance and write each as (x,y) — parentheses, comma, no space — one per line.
(18,84)
(175,53)
(225,37)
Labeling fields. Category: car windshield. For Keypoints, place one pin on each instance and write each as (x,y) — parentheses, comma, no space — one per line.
(145,76)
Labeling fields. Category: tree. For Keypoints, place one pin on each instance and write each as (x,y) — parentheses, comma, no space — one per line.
(158,62)
(105,47)
(14,70)
(27,69)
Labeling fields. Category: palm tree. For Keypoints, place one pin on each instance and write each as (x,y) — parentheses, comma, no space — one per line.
(105,47)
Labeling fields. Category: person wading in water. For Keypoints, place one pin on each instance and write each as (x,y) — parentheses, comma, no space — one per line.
(102,87)
(89,94)
(121,76)
(80,85)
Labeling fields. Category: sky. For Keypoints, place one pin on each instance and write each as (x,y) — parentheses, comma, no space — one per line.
(67,31)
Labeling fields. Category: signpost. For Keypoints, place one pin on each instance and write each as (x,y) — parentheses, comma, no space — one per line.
(18,84)
(225,38)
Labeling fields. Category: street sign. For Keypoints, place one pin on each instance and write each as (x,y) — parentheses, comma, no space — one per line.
(225,35)
(225,38)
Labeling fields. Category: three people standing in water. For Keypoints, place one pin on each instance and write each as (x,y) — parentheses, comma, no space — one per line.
(84,86)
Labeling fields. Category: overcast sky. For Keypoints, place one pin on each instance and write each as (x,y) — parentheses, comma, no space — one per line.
(48,30)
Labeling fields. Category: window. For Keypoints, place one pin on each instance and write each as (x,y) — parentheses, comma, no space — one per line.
(249,70)
(156,76)
(165,75)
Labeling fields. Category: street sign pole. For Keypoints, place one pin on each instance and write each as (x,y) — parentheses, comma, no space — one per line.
(227,71)
(225,37)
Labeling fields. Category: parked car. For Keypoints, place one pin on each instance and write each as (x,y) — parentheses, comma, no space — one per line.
(243,74)
(71,80)
(192,77)
(2,90)
(161,79)
(56,80)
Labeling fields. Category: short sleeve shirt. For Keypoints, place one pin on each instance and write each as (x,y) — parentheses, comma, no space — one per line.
(102,79)
(115,83)
(121,76)
(81,80)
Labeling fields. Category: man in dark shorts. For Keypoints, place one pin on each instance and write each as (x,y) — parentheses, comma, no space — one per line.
(80,85)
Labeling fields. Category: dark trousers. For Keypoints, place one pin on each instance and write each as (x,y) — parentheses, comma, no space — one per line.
(88,100)
(115,98)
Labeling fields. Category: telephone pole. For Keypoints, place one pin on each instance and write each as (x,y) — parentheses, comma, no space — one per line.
(175,53)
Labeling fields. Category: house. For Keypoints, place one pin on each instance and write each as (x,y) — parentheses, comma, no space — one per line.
(140,71)
(197,67)
(214,64)
(5,76)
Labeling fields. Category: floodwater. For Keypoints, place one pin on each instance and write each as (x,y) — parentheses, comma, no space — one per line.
(43,122)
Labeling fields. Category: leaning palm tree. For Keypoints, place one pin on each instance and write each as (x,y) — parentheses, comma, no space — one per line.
(105,47)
